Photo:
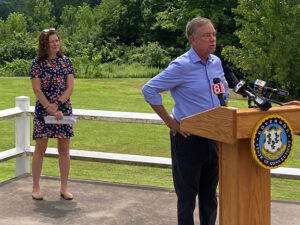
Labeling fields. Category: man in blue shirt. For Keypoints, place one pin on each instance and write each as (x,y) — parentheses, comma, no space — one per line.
(194,159)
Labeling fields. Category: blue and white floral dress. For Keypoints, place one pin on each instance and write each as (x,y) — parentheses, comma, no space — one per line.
(53,74)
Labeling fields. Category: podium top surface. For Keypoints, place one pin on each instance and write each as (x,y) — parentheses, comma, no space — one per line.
(227,124)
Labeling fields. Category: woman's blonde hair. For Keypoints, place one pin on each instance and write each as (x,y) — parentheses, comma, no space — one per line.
(42,53)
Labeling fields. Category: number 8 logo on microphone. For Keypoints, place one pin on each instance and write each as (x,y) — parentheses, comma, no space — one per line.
(218,88)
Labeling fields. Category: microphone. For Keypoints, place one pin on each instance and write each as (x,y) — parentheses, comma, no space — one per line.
(219,89)
(242,88)
(259,85)
(237,86)
(259,100)
(230,77)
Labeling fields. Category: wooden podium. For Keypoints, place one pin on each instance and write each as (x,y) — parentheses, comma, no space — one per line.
(244,187)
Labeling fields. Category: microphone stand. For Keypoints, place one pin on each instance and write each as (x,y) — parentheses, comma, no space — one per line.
(250,103)
(250,95)
(274,101)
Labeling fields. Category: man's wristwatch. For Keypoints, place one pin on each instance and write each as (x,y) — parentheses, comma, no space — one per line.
(58,103)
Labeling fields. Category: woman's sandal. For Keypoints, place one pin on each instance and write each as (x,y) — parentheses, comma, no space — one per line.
(37,196)
(67,196)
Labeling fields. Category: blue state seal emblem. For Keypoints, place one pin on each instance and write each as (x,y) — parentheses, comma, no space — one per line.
(272,142)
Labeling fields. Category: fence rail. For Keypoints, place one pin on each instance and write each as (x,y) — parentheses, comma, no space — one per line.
(23,150)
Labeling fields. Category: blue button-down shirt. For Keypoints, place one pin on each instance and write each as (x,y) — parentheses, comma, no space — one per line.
(190,82)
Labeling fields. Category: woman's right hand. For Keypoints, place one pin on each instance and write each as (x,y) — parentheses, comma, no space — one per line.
(59,115)
(52,109)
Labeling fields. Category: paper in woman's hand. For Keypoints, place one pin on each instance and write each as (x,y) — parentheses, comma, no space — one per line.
(65,120)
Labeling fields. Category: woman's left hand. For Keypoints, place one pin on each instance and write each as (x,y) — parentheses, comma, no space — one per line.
(59,115)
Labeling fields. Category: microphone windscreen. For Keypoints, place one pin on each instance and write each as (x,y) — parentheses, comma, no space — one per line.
(216,80)
(230,77)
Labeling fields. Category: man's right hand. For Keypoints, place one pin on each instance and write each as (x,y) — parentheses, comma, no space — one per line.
(169,120)
(175,127)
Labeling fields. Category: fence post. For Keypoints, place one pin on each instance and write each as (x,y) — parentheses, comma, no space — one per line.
(22,133)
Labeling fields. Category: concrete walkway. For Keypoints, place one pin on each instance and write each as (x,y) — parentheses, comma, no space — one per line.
(104,204)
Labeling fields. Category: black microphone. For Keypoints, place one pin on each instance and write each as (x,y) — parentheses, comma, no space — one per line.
(218,89)
(230,77)
(260,101)
(242,88)
(238,87)
(259,85)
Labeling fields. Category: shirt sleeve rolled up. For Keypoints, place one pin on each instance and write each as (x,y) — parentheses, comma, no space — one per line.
(164,81)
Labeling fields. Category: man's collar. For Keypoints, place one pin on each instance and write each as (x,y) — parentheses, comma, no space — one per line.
(195,58)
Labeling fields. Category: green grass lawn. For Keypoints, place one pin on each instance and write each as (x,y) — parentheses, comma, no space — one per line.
(142,139)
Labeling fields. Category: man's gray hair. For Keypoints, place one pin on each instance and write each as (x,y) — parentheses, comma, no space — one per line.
(192,25)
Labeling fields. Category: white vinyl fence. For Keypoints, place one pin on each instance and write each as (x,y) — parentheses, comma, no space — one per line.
(23,150)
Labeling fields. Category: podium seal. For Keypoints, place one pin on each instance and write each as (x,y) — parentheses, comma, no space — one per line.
(272,142)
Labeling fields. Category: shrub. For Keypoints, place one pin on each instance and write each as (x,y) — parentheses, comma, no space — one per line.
(17,68)
(151,54)
(84,69)
(17,49)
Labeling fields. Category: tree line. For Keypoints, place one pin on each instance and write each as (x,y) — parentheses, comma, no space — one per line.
(258,38)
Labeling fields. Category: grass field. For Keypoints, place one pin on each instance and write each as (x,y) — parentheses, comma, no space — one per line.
(141,139)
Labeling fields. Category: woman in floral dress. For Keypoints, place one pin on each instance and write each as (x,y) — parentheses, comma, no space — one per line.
(52,77)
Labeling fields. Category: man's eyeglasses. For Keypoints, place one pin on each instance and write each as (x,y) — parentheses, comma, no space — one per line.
(47,30)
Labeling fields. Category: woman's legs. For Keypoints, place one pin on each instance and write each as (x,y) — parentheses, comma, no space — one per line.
(63,145)
(37,163)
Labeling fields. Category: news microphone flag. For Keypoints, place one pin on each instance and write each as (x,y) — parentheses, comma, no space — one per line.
(218,88)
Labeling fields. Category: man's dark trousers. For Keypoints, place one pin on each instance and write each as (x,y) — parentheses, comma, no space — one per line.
(195,172)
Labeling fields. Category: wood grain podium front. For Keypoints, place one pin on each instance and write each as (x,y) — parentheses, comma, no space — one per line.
(244,187)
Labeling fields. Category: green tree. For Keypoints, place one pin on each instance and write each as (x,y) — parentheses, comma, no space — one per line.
(60,4)
(152,30)
(85,21)
(168,20)
(269,38)
(107,16)
(5,9)
(16,23)
(41,18)
(69,22)
(119,19)
(15,43)
(3,30)
(9,6)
